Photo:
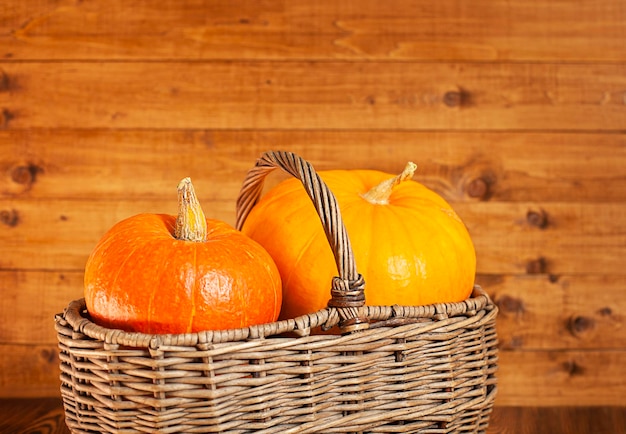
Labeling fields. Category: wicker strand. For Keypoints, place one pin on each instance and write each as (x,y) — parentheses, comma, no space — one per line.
(347,293)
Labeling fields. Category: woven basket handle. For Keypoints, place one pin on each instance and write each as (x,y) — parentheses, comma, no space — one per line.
(347,293)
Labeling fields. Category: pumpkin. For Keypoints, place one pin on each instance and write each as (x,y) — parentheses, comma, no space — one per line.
(158,273)
(409,244)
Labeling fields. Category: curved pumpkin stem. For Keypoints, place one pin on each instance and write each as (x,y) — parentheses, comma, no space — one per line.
(380,194)
(191,222)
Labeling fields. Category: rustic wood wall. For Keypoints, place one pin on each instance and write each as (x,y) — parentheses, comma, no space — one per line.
(515,111)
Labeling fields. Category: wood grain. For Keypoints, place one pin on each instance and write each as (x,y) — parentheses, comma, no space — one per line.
(45,415)
(576,238)
(146,164)
(556,378)
(538,312)
(489,30)
(314,95)
(31,300)
(580,238)
(553,312)
(552,420)
(32,416)
(29,370)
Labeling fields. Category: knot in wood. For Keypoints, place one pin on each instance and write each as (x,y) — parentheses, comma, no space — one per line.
(578,325)
(606,311)
(573,368)
(5,84)
(508,304)
(6,116)
(25,174)
(10,218)
(453,98)
(478,188)
(538,219)
(537,266)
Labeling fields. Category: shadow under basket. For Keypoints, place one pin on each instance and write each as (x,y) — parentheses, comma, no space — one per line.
(389,369)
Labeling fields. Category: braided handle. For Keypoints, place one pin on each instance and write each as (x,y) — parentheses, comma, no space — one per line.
(347,293)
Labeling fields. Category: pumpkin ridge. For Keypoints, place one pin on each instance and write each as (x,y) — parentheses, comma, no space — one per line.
(124,262)
(162,275)
(313,239)
(398,216)
(154,246)
(448,233)
(303,250)
(152,296)
(453,232)
(195,290)
(276,309)
(401,216)
(112,283)
(120,227)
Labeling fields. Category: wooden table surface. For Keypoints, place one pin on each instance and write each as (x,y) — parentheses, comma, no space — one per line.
(45,415)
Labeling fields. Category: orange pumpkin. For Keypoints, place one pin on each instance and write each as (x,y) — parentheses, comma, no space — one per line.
(156,273)
(409,244)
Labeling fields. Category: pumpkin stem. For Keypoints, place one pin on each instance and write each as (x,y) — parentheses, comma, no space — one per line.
(191,222)
(380,194)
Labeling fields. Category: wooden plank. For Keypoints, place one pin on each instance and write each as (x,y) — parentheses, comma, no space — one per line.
(556,378)
(37,415)
(580,238)
(489,30)
(146,164)
(549,420)
(31,300)
(585,312)
(565,312)
(560,378)
(552,238)
(47,415)
(314,95)
(29,370)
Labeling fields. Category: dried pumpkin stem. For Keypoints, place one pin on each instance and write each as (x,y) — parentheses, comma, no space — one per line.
(380,193)
(191,222)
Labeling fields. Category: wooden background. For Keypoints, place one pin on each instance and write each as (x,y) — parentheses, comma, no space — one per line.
(515,111)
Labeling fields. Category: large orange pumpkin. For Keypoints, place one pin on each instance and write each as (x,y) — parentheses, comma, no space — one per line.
(409,244)
(156,273)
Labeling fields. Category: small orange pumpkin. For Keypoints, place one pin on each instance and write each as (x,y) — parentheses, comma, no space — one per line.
(156,273)
(409,244)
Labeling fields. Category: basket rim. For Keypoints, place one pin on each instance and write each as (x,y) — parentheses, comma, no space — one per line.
(75,314)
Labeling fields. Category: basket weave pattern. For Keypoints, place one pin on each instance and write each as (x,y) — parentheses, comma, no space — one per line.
(405,369)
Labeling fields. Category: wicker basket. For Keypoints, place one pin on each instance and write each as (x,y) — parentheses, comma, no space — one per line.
(392,369)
